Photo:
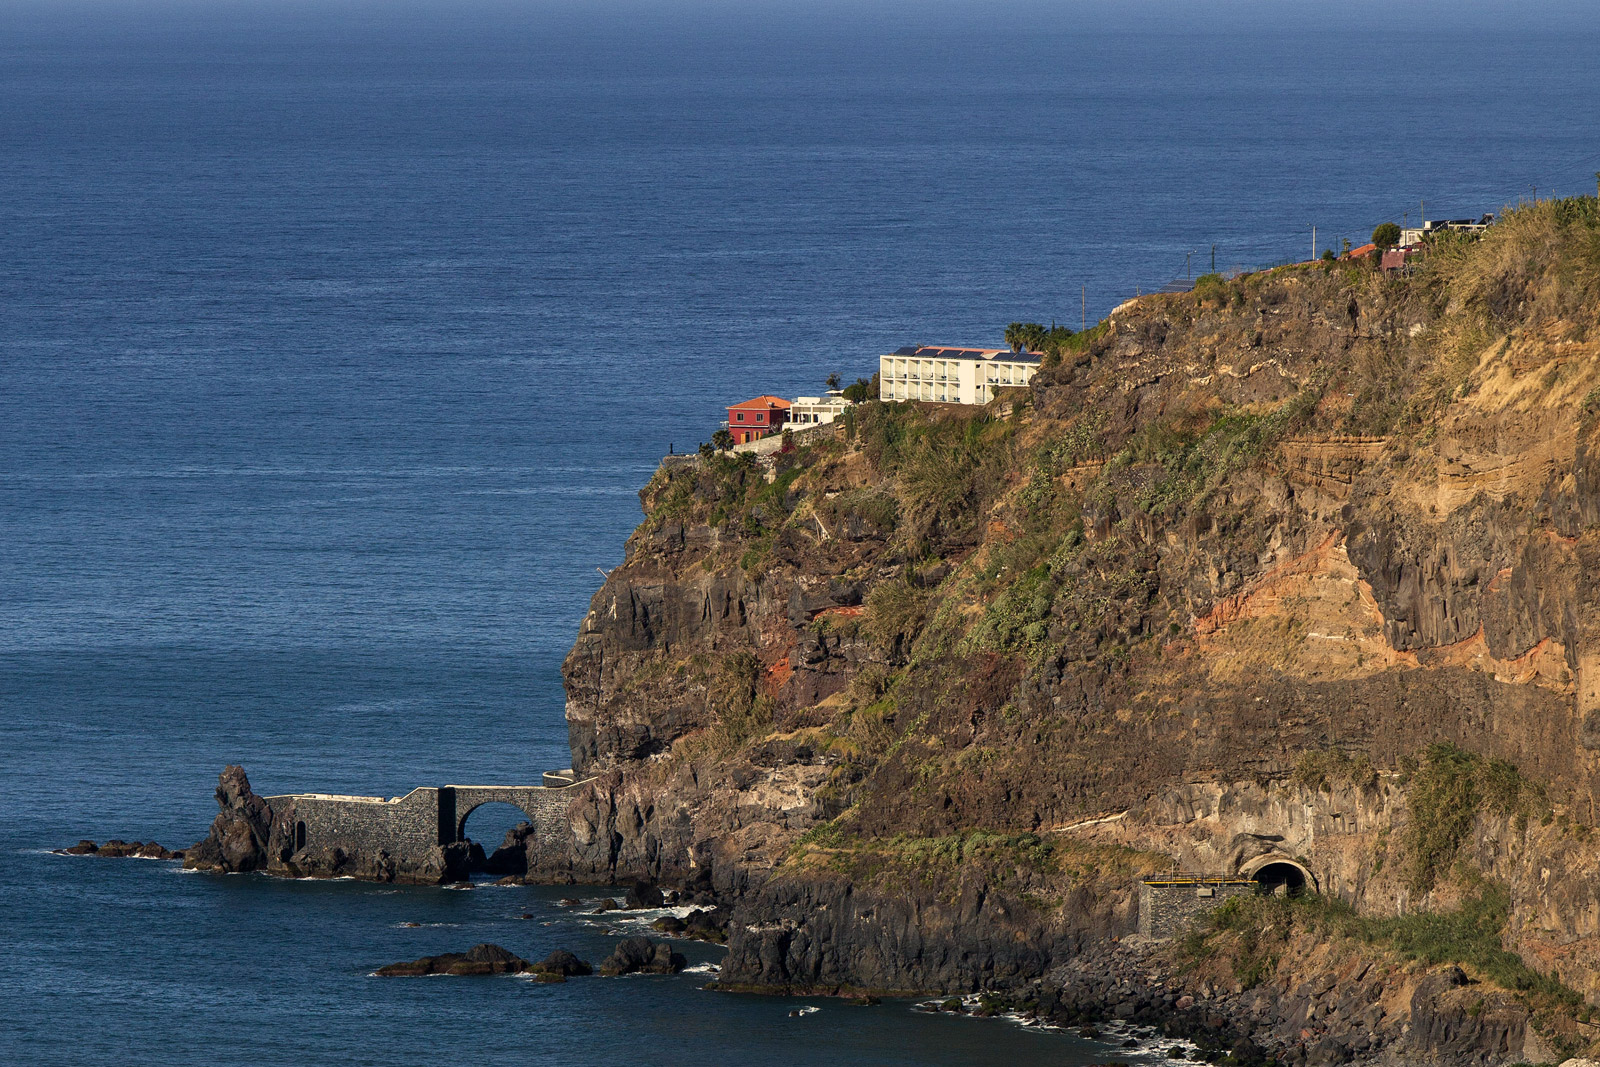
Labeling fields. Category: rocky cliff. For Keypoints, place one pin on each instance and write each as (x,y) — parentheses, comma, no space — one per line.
(1297,567)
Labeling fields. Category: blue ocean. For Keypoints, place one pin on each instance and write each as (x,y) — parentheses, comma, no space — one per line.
(336,342)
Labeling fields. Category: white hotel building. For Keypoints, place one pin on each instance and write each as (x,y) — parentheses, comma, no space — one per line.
(953,375)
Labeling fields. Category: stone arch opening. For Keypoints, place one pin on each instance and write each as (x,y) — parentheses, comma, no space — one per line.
(299,835)
(504,831)
(1280,875)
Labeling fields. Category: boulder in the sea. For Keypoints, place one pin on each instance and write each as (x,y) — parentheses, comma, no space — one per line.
(645,895)
(640,955)
(606,904)
(82,848)
(240,832)
(707,924)
(511,858)
(479,960)
(563,964)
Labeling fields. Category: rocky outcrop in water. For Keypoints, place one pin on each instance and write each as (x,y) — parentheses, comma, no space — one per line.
(640,955)
(240,834)
(478,961)
(119,849)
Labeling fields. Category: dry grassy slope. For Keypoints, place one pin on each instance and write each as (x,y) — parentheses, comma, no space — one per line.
(1305,510)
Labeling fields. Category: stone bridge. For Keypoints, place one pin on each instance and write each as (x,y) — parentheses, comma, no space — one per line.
(409,828)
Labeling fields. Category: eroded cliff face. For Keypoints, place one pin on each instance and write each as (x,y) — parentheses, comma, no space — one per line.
(1308,515)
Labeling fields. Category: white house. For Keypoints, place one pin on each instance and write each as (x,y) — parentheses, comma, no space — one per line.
(953,375)
(817,410)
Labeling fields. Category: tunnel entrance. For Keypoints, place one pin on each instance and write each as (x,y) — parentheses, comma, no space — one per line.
(1282,879)
(499,834)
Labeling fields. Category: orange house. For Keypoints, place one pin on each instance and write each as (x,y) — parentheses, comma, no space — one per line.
(756,418)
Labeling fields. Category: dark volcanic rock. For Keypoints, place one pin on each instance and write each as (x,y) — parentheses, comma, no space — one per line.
(482,959)
(699,925)
(563,963)
(117,849)
(240,832)
(645,895)
(511,858)
(640,955)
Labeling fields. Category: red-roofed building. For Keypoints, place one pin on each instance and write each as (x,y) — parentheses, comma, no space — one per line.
(756,418)
(1395,258)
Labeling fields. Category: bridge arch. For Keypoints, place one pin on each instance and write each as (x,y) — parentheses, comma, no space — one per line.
(460,801)
(1273,870)
(465,812)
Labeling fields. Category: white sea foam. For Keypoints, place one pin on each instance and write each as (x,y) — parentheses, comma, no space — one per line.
(641,918)
(705,968)
(806,1009)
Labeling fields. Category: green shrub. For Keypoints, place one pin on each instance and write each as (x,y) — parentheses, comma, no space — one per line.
(895,613)
(1445,795)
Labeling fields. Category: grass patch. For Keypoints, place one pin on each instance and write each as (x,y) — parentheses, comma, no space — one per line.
(1257,931)
(1446,793)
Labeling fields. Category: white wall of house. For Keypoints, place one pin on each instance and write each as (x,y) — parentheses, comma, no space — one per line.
(816,410)
(950,381)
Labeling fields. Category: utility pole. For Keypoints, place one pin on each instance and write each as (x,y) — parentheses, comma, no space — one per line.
(1187,273)
(1083,322)
(1313,241)
(1214,256)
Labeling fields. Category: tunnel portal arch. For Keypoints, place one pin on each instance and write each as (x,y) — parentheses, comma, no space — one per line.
(1273,871)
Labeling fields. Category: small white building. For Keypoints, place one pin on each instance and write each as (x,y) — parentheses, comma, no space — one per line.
(817,410)
(1414,235)
(945,375)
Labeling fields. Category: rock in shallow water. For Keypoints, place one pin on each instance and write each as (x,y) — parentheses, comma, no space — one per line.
(640,955)
(562,963)
(482,959)
(117,849)
(644,895)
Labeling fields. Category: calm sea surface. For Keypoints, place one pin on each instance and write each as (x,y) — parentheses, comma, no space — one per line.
(333,353)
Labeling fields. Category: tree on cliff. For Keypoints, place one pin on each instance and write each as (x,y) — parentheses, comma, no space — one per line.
(722,440)
(1386,236)
(862,389)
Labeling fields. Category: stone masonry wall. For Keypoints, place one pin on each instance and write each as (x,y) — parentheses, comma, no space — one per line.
(408,831)
(1166,908)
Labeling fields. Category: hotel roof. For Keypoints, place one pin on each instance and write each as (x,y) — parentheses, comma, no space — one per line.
(955,352)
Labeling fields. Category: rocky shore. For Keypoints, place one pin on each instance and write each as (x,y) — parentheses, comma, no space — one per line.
(1361,1012)
(1290,578)
(118,849)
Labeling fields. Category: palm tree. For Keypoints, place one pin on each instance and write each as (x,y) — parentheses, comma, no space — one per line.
(1014,336)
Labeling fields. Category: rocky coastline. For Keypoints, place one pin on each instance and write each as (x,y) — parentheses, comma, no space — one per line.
(1290,579)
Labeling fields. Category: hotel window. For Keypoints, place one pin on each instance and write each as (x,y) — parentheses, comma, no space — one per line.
(740,416)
